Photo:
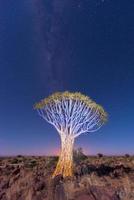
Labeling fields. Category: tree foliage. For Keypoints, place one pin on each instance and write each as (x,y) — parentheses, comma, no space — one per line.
(72,113)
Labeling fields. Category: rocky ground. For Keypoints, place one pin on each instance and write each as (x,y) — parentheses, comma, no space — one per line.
(95,178)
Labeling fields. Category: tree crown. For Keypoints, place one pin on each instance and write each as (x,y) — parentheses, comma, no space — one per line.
(76,96)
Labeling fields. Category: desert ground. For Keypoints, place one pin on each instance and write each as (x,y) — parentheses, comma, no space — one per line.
(95,178)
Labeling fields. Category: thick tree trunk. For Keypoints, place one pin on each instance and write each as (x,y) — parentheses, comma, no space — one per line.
(65,162)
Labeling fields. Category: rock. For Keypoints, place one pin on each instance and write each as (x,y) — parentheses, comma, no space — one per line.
(109,179)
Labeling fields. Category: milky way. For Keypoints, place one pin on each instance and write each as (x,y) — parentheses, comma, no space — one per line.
(55,34)
(52,37)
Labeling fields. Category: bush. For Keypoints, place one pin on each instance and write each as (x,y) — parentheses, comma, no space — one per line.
(78,155)
(19,156)
(14,161)
(33,163)
(100,155)
(51,162)
(127,155)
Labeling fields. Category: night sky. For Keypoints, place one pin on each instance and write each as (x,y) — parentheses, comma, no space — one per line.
(58,45)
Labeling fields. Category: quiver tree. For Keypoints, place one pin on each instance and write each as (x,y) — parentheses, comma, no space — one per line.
(72,114)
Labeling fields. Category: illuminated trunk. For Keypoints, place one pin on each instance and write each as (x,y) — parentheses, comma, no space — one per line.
(65,162)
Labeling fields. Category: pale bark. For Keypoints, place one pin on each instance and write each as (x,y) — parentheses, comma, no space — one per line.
(72,114)
(65,162)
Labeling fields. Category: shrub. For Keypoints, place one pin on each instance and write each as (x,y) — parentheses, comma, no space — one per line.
(100,155)
(51,161)
(32,163)
(19,156)
(78,155)
(14,161)
(127,155)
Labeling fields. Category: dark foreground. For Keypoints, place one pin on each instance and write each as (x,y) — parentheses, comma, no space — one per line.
(29,178)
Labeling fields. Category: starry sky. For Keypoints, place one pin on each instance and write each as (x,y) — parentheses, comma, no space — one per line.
(58,45)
